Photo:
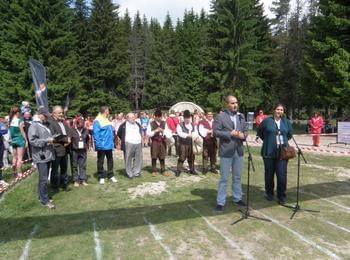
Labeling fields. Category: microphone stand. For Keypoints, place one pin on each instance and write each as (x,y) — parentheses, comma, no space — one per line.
(297,207)
(246,213)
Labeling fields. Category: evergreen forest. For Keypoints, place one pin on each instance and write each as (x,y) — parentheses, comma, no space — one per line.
(97,56)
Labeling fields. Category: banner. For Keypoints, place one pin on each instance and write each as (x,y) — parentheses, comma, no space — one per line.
(39,80)
(343,132)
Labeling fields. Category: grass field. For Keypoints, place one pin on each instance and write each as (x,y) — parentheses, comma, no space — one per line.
(107,222)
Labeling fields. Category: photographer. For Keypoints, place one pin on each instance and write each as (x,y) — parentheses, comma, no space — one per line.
(41,140)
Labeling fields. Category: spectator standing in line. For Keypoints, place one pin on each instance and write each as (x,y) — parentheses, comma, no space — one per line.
(103,134)
(41,140)
(27,119)
(118,122)
(3,131)
(18,141)
(316,125)
(205,129)
(89,126)
(130,134)
(259,118)
(172,121)
(79,146)
(60,132)
(144,121)
(7,146)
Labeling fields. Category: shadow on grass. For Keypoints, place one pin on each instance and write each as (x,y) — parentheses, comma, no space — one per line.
(18,228)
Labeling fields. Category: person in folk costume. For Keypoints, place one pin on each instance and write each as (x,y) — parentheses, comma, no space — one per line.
(316,124)
(155,130)
(185,130)
(172,121)
(205,129)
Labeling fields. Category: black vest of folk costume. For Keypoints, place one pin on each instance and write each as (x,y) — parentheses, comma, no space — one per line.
(158,137)
(187,141)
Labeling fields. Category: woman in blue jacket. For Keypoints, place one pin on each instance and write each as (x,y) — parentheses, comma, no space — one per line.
(275,132)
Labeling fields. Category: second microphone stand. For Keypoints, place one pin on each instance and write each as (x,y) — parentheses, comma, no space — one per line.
(297,207)
(246,213)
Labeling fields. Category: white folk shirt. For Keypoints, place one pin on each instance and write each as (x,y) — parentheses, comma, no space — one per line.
(203,131)
(151,133)
(132,133)
(181,133)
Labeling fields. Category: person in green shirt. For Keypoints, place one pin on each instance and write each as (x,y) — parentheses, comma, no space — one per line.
(18,141)
(275,132)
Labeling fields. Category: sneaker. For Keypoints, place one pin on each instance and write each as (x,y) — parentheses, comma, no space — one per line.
(84,183)
(76,184)
(50,205)
(102,181)
(154,174)
(165,174)
(219,208)
(113,179)
(241,203)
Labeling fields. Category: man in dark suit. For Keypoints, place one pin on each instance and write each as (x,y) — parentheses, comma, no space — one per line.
(60,133)
(230,127)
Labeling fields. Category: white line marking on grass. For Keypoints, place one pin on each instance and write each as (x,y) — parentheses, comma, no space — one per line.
(158,237)
(339,227)
(302,238)
(232,243)
(98,248)
(330,201)
(25,252)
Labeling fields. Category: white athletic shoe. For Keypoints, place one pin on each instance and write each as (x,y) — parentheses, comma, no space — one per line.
(113,179)
(102,181)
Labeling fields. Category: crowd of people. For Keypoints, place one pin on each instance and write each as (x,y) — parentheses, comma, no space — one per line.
(54,142)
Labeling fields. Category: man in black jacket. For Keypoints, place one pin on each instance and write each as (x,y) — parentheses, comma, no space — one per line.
(60,133)
(79,146)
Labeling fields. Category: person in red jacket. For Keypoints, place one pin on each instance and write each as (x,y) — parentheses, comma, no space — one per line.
(316,124)
(172,121)
(259,118)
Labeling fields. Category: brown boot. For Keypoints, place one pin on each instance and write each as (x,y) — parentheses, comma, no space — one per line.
(154,174)
(166,174)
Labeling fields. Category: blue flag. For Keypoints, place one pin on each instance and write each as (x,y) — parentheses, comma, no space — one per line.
(39,80)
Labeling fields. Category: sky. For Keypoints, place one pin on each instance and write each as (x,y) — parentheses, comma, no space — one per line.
(176,8)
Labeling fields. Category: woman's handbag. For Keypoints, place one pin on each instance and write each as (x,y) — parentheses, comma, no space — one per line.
(287,153)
